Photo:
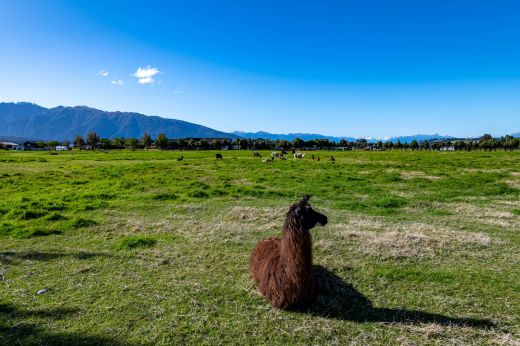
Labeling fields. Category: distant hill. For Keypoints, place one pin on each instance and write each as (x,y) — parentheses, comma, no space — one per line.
(29,120)
(418,138)
(17,139)
(309,136)
(26,121)
(289,136)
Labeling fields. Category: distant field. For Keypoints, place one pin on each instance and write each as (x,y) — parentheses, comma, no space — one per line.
(139,248)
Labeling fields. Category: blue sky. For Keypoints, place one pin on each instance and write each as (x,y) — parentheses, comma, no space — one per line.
(353,68)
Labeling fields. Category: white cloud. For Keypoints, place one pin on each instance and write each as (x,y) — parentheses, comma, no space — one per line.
(145,75)
(145,80)
(103,73)
(176,92)
(118,82)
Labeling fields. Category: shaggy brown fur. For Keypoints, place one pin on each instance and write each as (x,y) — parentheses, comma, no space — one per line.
(282,267)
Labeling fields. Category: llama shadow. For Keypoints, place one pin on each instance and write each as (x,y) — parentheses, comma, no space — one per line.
(339,300)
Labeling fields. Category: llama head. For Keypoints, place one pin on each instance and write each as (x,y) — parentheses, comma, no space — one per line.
(303,216)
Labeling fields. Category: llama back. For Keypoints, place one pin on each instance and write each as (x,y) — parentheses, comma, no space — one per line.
(265,258)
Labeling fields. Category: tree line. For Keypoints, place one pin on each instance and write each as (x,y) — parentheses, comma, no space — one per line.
(93,141)
(485,142)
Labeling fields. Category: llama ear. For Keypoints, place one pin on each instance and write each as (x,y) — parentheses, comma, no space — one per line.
(304,200)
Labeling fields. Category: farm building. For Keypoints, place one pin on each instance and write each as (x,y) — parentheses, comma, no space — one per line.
(11,146)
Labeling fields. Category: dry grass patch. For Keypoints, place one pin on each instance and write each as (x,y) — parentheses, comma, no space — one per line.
(513,183)
(252,214)
(408,175)
(411,240)
(486,215)
(506,339)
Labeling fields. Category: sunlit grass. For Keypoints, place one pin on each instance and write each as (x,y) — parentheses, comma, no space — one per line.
(139,248)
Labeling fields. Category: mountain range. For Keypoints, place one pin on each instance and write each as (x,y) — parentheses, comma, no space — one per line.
(309,136)
(30,121)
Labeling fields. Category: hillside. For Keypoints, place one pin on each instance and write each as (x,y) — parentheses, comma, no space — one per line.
(29,120)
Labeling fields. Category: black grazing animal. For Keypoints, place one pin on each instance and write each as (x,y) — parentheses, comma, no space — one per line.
(256,154)
(331,158)
(284,152)
(180,158)
(219,156)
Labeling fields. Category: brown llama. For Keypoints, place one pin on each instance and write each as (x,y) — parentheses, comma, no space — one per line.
(282,267)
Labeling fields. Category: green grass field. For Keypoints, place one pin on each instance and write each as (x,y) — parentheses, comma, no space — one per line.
(139,248)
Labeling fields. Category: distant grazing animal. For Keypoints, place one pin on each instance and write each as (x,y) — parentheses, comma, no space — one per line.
(284,152)
(256,154)
(315,158)
(282,267)
(298,155)
(180,158)
(331,158)
(219,156)
(293,151)
(275,154)
(268,160)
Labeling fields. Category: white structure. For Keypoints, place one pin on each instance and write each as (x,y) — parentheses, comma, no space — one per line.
(11,146)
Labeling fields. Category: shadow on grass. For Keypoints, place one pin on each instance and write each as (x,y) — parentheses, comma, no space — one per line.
(18,326)
(11,256)
(340,300)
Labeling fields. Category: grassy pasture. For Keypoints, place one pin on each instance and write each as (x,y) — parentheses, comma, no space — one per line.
(139,248)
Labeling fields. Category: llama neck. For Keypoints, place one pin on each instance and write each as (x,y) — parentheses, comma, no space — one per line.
(296,251)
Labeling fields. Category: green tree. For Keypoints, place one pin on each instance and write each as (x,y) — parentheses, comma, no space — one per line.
(298,143)
(243,143)
(53,144)
(105,143)
(361,143)
(389,145)
(146,140)
(92,139)
(119,142)
(66,143)
(182,143)
(161,141)
(510,143)
(79,142)
(486,137)
(132,143)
